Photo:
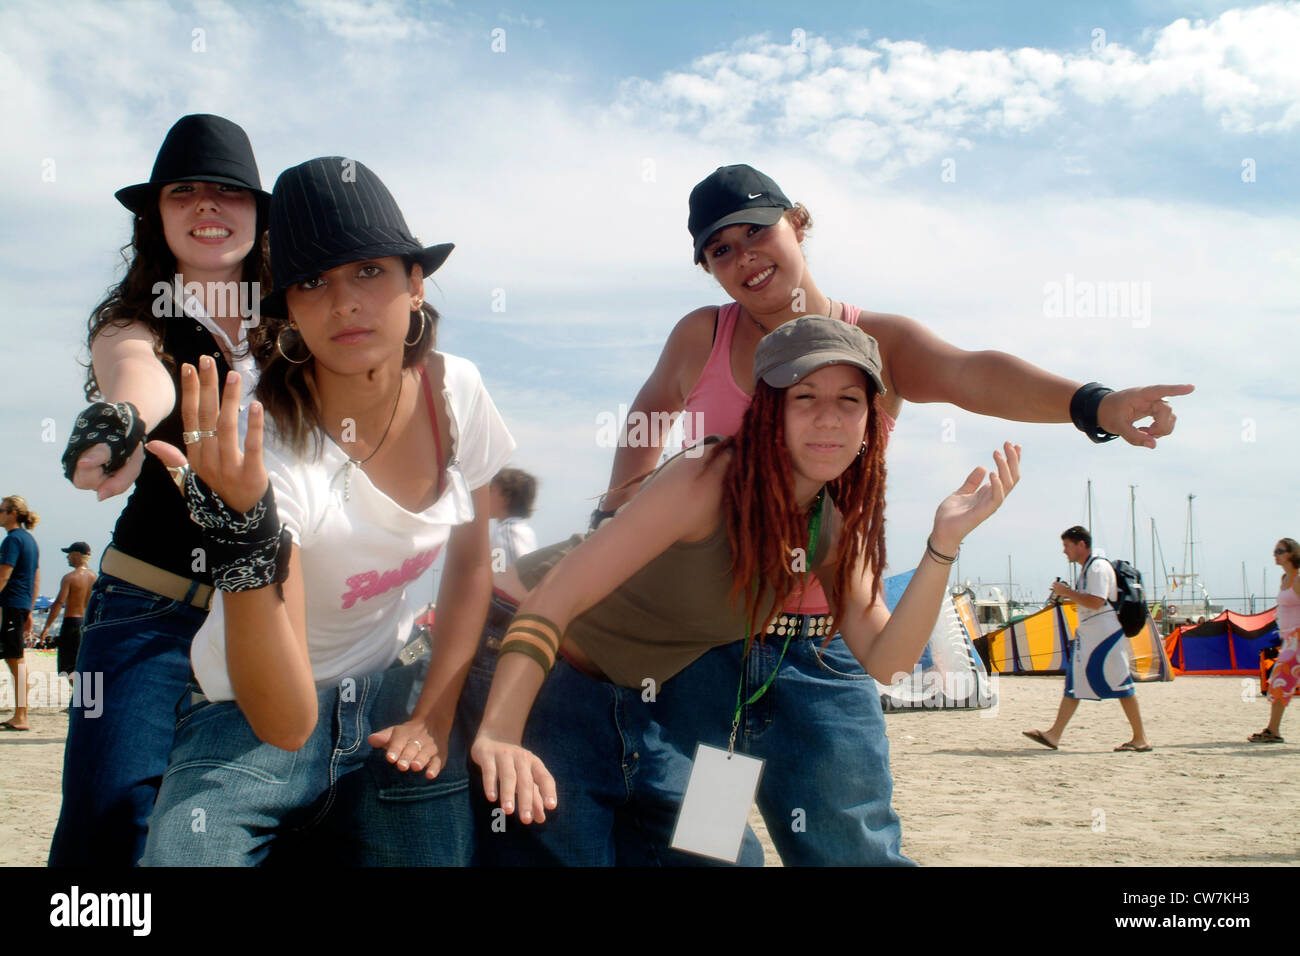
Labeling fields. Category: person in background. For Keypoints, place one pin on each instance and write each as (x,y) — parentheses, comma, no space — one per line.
(1099,666)
(511,497)
(20,582)
(1285,676)
(74,594)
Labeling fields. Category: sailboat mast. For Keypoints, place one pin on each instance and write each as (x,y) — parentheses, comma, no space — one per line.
(1132,517)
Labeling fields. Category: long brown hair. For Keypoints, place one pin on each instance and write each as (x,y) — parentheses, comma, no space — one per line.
(149,260)
(765,526)
(287,388)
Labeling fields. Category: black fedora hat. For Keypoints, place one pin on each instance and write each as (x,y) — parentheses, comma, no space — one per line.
(200,148)
(330,211)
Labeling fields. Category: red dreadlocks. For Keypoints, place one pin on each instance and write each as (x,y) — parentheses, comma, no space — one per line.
(764,525)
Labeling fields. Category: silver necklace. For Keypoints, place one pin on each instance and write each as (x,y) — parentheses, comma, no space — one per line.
(355,463)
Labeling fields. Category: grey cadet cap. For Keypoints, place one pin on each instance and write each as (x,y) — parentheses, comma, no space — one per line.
(798,348)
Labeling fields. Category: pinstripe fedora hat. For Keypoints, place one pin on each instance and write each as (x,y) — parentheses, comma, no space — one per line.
(328,212)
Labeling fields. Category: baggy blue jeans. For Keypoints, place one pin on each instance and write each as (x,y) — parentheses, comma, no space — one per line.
(135,655)
(228,799)
(825,789)
(620,782)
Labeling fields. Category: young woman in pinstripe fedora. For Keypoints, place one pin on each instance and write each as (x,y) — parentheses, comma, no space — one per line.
(305,737)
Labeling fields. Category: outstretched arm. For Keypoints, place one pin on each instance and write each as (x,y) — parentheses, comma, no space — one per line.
(889,644)
(127,370)
(682,503)
(925,368)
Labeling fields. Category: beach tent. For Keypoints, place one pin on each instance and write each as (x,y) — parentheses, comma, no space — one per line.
(950,673)
(1039,644)
(1228,644)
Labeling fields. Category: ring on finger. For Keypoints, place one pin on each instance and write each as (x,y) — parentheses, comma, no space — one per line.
(178,475)
(194,437)
(418,744)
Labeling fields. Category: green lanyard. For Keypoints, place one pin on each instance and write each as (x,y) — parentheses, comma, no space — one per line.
(814,526)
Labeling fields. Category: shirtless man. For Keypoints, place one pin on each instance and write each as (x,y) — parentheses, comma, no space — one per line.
(74,592)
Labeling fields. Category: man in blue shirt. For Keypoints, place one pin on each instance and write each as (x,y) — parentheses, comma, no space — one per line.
(20,580)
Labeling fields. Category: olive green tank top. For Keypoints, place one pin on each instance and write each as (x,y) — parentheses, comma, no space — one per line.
(667,614)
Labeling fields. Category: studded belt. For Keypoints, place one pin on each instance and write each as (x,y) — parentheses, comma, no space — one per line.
(803,627)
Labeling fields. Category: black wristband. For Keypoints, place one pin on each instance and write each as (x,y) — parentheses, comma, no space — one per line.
(116,425)
(1083,411)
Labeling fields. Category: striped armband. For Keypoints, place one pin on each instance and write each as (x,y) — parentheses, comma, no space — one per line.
(534,636)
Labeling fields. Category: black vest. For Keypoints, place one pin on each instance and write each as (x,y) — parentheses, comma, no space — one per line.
(155,525)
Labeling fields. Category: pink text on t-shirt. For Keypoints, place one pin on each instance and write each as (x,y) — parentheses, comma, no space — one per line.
(370,584)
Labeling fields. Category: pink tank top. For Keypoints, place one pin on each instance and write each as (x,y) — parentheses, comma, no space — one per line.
(1288,611)
(716,406)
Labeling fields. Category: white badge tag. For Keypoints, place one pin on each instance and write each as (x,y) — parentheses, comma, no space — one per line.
(716,806)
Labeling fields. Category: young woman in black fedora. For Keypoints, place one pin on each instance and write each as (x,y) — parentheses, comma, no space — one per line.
(304,736)
(195,262)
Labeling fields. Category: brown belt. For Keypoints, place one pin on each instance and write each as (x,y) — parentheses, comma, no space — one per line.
(144,575)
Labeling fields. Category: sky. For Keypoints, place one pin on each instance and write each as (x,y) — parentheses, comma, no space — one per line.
(972,169)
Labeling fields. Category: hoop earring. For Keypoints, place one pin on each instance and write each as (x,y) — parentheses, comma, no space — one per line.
(863,450)
(280,348)
(422,324)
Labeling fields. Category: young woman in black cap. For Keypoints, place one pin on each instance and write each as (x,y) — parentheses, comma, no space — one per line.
(196,260)
(304,737)
(798,490)
(748,235)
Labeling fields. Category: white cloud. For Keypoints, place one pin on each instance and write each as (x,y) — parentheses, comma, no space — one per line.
(907,102)
(577,210)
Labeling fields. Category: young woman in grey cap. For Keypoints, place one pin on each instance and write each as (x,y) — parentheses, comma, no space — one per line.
(581,756)
(195,265)
(305,737)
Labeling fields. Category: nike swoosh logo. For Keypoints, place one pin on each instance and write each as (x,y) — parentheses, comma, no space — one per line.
(754,195)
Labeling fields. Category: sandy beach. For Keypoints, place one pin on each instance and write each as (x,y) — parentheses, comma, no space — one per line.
(971,791)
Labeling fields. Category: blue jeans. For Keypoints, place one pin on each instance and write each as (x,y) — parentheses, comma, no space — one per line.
(619,782)
(137,643)
(228,799)
(826,787)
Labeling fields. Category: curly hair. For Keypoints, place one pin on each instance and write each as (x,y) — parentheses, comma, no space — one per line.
(149,261)
(765,525)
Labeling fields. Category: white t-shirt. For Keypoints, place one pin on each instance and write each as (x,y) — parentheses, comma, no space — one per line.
(358,554)
(1099,582)
(512,538)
